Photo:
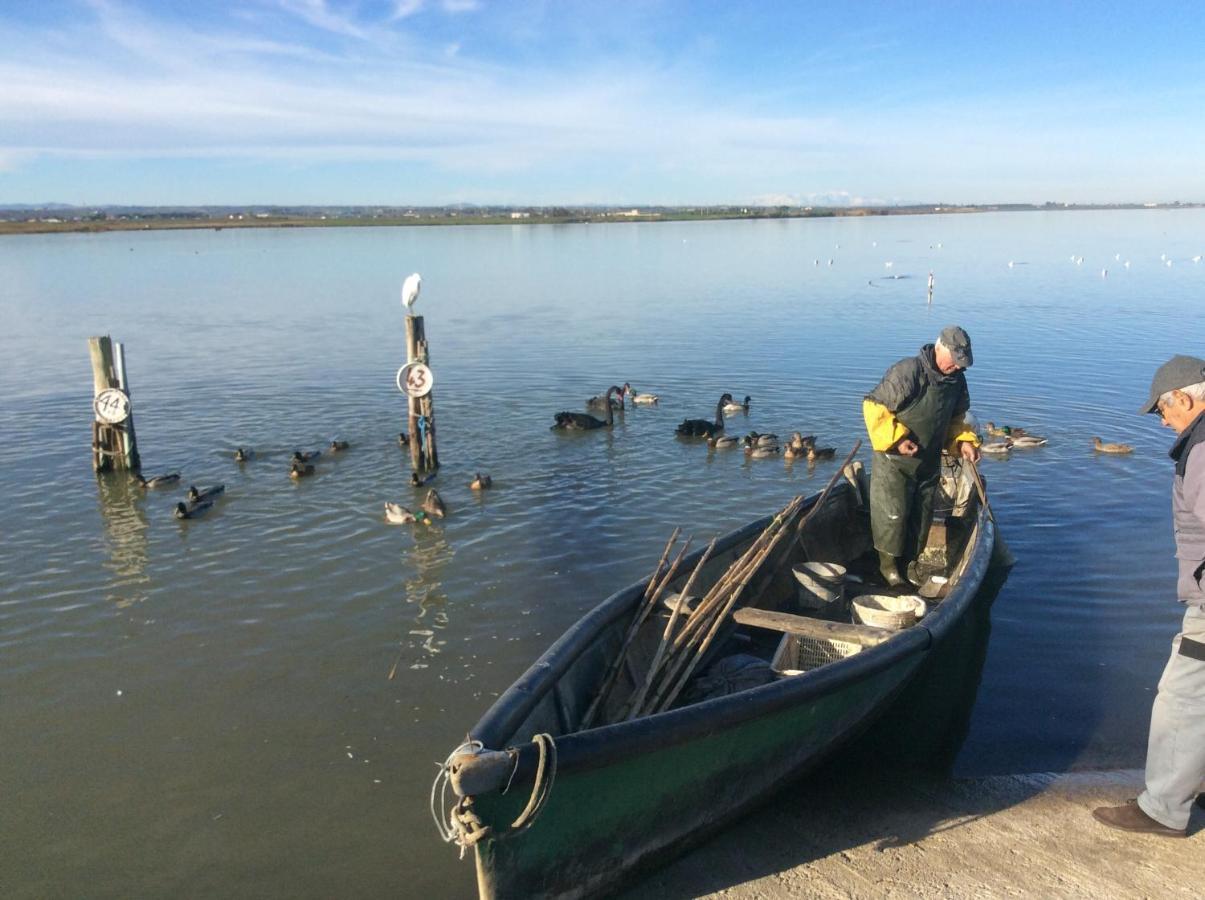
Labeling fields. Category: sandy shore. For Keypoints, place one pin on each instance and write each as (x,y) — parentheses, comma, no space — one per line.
(1006,836)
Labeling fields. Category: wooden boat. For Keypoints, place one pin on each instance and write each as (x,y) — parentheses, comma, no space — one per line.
(554,810)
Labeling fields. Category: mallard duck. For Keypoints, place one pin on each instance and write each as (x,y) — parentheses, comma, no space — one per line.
(722,442)
(1004,430)
(241,455)
(815,453)
(158,481)
(1028,442)
(732,406)
(397,514)
(308,456)
(1101,447)
(639,399)
(481,482)
(753,439)
(191,512)
(403,439)
(762,452)
(996,448)
(703,428)
(300,469)
(196,496)
(794,451)
(337,446)
(419,480)
(801,441)
(575,421)
(434,504)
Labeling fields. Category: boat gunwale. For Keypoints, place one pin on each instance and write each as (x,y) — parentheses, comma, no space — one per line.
(604,745)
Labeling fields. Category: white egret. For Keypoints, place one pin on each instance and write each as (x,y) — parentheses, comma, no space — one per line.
(410,290)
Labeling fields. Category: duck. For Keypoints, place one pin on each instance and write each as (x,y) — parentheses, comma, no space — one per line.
(242,455)
(1004,430)
(158,481)
(722,442)
(209,493)
(337,446)
(637,398)
(1028,442)
(300,470)
(575,421)
(703,428)
(403,439)
(815,453)
(732,406)
(753,439)
(793,451)
(996,448)
(1100,447)
(434,504)
(419,480)
(191,512)
(396,514)
(481,482)
(308,456)
(762,452)
(801,441)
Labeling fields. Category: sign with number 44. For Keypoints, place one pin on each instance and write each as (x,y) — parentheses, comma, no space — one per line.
(111,406)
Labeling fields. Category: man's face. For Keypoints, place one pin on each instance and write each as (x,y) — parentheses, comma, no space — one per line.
(945,360)
(1179,412)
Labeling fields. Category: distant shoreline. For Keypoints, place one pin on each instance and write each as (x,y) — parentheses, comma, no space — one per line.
(94,220)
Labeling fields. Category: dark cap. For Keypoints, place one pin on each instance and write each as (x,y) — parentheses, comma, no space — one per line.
(1178,372)
(958,342)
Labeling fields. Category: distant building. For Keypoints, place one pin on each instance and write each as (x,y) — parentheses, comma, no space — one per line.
(520,215)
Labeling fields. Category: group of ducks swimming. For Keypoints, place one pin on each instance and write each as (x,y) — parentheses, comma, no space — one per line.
(1012,438)
(196,502)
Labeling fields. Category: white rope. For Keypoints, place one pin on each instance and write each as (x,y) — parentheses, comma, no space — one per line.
(451,830)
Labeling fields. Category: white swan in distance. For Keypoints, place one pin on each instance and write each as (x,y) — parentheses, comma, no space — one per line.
(410,290)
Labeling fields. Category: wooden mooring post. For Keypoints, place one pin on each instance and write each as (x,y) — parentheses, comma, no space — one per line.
(114,443)
(415,380)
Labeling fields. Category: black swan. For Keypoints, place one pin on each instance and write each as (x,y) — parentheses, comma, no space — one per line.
(573,421)
(703,428)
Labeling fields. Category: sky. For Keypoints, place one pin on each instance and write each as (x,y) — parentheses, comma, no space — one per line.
(532,102)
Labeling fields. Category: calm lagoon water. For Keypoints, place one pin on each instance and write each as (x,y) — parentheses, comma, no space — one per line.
(207,708)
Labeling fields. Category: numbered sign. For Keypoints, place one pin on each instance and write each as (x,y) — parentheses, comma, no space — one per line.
(111,406)
(415,380)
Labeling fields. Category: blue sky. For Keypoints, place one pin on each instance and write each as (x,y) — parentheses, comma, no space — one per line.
(537,101)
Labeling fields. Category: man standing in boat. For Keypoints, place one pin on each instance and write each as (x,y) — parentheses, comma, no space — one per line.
(1175,754)
(915,413)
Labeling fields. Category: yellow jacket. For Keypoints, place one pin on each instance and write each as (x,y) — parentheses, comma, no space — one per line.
(886,430)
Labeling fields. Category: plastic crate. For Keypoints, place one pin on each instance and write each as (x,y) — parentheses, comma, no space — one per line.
(803,654)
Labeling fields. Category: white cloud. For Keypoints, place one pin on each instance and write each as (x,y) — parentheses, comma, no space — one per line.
(320,15)
(460,6)
(403,9)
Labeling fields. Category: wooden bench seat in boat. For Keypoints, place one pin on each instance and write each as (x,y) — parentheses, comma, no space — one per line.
(788,623)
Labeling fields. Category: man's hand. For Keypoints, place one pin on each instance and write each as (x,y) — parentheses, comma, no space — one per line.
(969,451)
(907,447)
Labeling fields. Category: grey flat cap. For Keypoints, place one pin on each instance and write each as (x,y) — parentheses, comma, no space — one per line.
(958,342)
(1178,372)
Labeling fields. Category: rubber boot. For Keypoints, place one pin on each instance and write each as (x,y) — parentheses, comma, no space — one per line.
(890,570)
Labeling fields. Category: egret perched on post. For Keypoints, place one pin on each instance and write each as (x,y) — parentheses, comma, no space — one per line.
(410,288)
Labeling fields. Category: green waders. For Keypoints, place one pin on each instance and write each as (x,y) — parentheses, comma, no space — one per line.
(902,487)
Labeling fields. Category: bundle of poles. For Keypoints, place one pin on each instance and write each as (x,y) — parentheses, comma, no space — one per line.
(689,634)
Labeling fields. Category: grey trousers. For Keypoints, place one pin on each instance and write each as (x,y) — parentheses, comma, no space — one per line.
(1175,755)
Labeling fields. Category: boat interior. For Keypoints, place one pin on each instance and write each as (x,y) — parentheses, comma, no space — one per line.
(817,599)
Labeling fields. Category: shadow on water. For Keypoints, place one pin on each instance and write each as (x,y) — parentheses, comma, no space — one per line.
(881,789)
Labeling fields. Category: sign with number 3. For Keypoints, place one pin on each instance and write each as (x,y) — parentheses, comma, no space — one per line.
(415,380)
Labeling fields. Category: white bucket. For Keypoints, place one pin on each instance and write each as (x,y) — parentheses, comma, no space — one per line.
(888,610)
(820,584)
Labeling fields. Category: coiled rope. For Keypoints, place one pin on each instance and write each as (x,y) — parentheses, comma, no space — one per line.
(463,826)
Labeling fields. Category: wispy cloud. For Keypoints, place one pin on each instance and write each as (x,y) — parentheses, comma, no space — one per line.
(319,14)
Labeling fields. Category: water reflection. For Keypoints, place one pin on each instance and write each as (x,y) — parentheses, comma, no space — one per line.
(926,727)
(125,529)
(429,558)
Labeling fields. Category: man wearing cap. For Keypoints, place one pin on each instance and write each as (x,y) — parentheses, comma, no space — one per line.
(1175,753)
(915,413)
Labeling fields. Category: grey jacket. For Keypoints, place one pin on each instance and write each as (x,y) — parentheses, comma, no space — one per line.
(1188,512)
(907,379)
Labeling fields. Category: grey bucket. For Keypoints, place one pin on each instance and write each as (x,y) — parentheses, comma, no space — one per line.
(820,584)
